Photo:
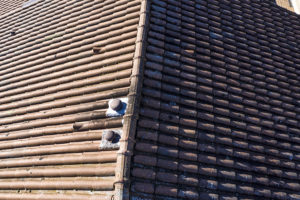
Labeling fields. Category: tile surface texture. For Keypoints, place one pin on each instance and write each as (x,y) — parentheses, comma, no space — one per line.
(60,64)
(7,6)
(219,117)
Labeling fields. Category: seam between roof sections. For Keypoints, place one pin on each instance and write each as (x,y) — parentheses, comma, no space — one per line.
(122,183)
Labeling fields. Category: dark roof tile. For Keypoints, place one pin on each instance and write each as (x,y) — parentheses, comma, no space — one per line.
(171,140)
(189,194)
(188,168)
(262,192)
(209,184)
(144,173)
(166,151)
(207,171)
(149,148)
(208,196)
(166,177)
(188,144)
(230,82)
(206,159)
(166,191)
(188,180)
(167,164)
(146,160)
(143,187)
(188,156)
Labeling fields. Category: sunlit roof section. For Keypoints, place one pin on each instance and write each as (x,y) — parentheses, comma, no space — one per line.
(287,4)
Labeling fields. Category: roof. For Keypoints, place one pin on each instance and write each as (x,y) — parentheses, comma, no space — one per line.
(8,6)
(219,116)
(209,92)
(61,63)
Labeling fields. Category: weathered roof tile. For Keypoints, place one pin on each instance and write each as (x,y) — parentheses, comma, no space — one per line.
(231,74)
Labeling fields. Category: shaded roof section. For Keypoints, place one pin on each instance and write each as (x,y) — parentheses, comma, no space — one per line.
(219,117)
(61,62)
(8,6)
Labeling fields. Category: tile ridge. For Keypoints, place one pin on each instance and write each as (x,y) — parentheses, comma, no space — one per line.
(122,183)
(13,12)
(6,14)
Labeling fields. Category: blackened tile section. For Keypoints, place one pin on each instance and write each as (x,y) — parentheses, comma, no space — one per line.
(220,116)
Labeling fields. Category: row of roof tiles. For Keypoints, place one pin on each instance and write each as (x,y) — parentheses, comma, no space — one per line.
(219,109)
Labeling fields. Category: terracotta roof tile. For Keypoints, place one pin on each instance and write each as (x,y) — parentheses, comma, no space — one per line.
(9,6)
(61,64)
